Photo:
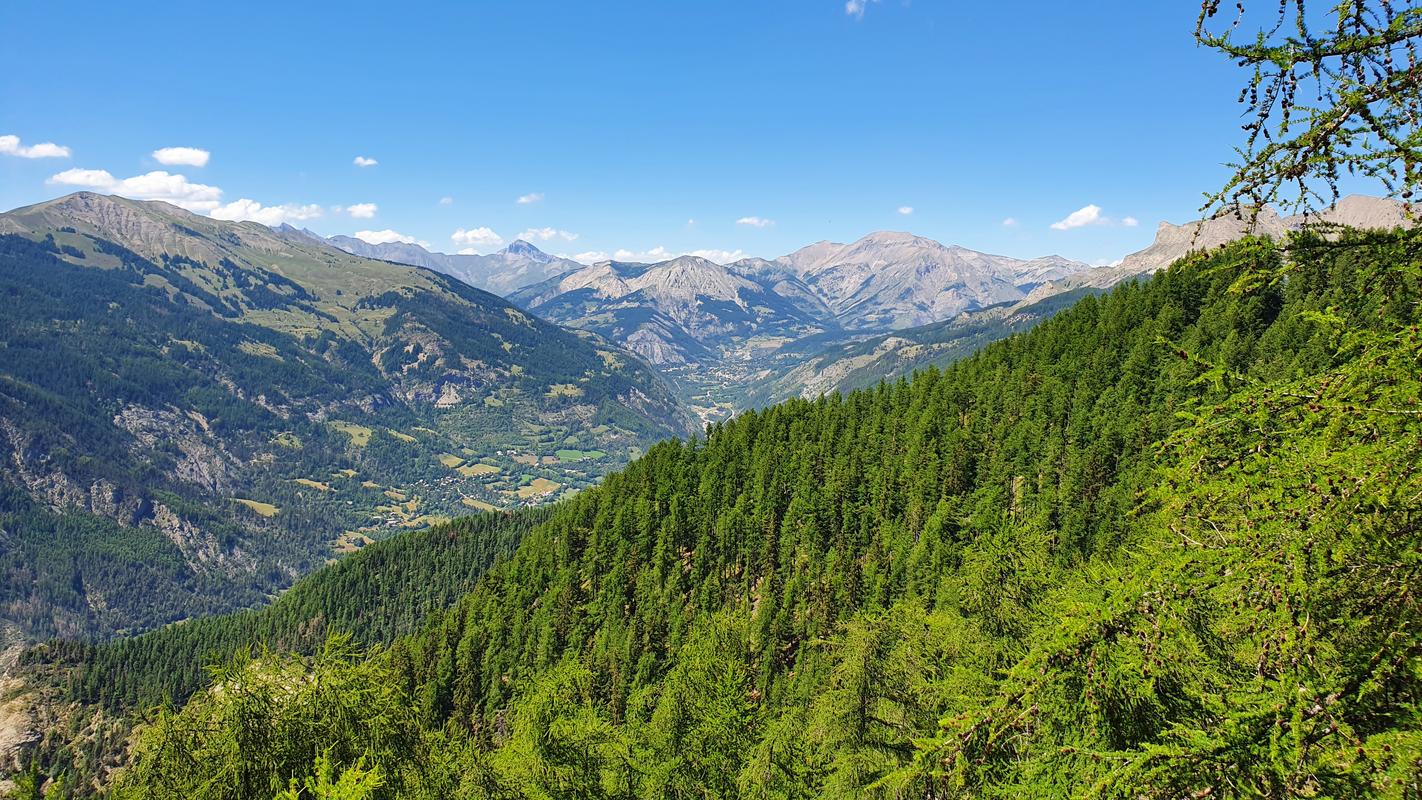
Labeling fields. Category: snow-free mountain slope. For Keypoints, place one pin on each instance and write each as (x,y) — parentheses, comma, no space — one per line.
(194,411)
(675,311)
(884,281)
(512,268)
(891,280)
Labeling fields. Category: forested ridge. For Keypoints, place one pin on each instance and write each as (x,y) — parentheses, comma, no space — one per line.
(1163,545)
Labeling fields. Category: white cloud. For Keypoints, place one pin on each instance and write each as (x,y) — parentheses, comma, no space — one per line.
(905,210)
(855,8)
(1106,262)
(157,185)
(1010,222)
(530,198)
(658,253)
(546,235)
(362,210)
(1080,218)
(755,222)
(477,239)
(95,178)
(182,156)
(10,146)
(446,201)
(387,236)
(1091,215)
(362,161)
(271,216)
(719,256)
(690,223)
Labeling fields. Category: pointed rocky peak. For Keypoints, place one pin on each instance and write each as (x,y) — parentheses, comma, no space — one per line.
(520,247)
(689,276)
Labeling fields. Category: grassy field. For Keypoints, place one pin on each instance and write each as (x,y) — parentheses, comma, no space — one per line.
(265,509)
(360,435)
(537,487)
(579,455)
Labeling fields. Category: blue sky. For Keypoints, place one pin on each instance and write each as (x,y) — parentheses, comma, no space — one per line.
(743,127)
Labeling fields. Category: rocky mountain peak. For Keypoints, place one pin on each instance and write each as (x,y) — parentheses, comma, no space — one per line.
(520,247)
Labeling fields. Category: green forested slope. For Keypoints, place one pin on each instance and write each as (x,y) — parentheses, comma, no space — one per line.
(1163,545)
(386,590)
(194,412)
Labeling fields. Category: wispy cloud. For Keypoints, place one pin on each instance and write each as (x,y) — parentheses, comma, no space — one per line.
(546,235)
(755,222)
(855,8)
(388,236)
(10,146)
(362,161)
(658,253)
(477,239)
(271,216)
(530,198)
(1010,222)
(157,185)
(182,156)
(719,256)
(362,210)
(906,210)
(1130,222)
(446,201)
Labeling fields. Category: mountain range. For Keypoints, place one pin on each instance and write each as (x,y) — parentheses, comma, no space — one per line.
(218,407)
(812,367)
(193,412)
(1162,543)
(511,268)
(686,309)
(828,316)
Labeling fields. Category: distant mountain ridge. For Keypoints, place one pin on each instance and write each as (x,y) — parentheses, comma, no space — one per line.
(519,264)
(671,310)
(845,365)
(1173,242)
(891,280)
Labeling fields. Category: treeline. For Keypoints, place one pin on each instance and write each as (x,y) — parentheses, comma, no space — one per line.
(1163,545)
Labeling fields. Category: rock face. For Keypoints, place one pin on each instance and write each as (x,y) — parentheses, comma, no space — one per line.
(516,266)
(1173,242)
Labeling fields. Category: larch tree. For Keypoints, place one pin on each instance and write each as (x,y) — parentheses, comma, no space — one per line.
(1331,94)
